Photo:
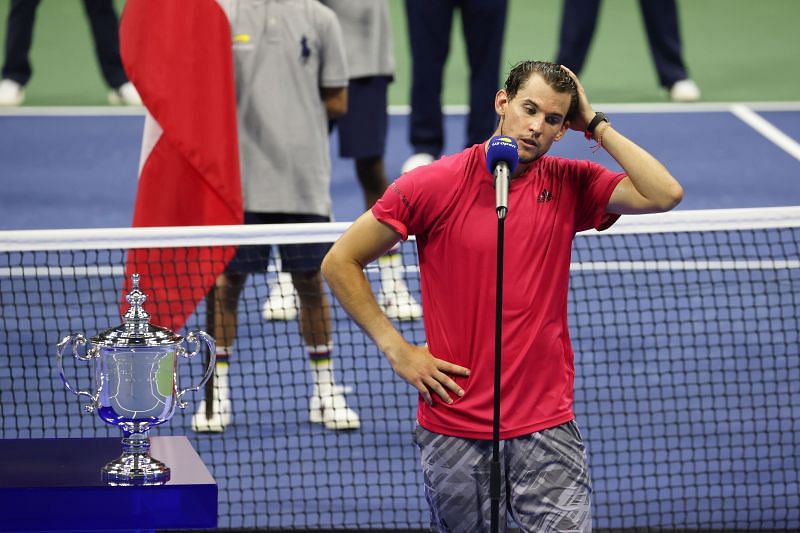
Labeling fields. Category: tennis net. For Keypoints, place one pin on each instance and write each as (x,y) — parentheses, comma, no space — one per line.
(684,325)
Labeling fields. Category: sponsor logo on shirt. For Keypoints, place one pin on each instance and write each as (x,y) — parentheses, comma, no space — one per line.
(544,196)
(398,192)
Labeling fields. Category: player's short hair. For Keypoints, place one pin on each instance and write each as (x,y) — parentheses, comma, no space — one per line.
(553,74)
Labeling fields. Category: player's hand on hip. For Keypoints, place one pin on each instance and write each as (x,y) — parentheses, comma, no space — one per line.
(427,374)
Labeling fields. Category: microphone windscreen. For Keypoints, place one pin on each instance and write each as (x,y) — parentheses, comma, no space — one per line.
(502,148)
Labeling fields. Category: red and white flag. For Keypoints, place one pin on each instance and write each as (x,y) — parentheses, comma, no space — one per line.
(178,56)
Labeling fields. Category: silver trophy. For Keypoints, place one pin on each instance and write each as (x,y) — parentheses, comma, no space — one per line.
(135,385)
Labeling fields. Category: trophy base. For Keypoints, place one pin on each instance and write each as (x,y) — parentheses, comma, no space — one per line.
(135,467)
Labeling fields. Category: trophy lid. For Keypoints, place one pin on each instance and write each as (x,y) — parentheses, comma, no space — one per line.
(136,329)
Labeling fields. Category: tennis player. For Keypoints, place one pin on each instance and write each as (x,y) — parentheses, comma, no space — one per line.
(450,207)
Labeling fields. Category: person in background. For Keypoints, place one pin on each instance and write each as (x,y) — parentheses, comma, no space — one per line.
(450,206)
(17,69)
(362,136)
(291,79)
(578,23)
(429,28)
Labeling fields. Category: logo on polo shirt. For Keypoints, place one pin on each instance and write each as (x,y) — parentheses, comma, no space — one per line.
(305,51)
(545,196)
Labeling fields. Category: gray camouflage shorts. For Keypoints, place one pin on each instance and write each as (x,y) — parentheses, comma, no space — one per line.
(545,481)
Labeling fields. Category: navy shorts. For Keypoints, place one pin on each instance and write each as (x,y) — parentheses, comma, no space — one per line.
(294,257)
(362,130)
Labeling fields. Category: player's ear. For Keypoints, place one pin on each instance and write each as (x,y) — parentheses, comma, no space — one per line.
(500,102)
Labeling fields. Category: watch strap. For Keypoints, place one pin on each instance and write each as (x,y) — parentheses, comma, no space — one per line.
(598,118)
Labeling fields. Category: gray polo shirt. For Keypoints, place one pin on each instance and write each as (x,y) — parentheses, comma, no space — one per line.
(367,36)
(284,52)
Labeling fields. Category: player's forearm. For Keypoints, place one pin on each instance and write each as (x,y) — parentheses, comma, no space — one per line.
(350,286)
(659,189)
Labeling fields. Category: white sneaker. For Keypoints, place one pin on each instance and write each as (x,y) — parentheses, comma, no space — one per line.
(394,296)
(399,304)
(11,93)
(221,412)
(416,160)
(282,303)
(331,410)
(125,94)
(684,91)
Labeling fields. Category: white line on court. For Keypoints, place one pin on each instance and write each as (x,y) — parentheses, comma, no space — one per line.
(767,129)
(70,111)
(656,107)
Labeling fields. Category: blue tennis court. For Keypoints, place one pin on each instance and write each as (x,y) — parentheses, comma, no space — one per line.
(687,347)
(75,170)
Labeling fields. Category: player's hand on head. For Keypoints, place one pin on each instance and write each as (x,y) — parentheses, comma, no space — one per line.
(585,113)
(427,374)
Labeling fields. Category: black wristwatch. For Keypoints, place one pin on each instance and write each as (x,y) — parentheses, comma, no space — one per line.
(598,118)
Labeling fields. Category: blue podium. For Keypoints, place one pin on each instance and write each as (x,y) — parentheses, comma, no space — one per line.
(54,485)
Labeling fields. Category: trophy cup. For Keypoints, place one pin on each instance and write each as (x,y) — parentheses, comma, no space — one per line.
(135,385)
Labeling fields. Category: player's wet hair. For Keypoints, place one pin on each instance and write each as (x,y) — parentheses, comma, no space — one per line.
(553,74)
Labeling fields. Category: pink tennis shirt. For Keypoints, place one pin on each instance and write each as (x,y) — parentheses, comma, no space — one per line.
(450,207)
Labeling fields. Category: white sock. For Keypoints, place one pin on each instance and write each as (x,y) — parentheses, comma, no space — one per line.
(221,372)
(321,368)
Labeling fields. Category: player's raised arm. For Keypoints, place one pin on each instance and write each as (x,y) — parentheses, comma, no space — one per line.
(649,187)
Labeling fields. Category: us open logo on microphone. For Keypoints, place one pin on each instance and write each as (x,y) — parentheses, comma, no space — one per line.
(505,141)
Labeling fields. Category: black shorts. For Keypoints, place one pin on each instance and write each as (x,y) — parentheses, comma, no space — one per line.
(362,130)
(294,257)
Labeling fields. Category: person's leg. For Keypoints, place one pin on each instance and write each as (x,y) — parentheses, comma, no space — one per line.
(456,474)
(222,302)
(663,34)
(362,133)
(105,31)
(315,311)
(548,482)
(484,24)
(429,25)
(372,177)
(578,22)
(362,136)
(327,404)
(395,298)
(19,36)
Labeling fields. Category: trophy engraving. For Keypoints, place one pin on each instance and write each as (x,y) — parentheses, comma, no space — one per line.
(135,384)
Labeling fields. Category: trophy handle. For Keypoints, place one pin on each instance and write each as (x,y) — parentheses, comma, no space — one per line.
(77,339)
(192,338)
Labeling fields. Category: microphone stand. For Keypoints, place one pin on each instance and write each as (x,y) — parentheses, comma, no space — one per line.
(501,187)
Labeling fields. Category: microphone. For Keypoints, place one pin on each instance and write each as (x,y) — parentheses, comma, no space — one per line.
(501,160)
